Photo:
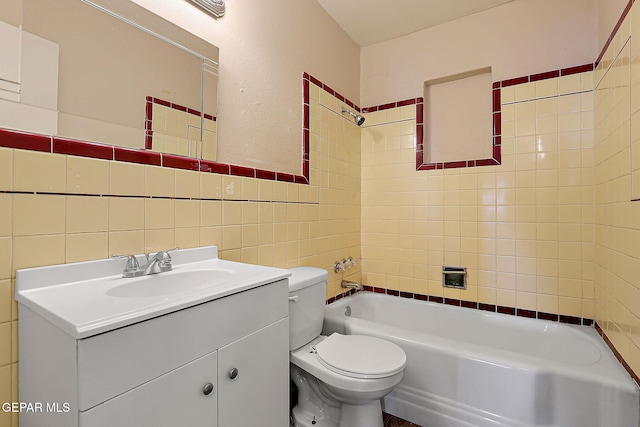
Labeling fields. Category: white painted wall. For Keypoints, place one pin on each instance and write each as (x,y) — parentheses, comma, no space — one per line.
(520,38)
(265,46)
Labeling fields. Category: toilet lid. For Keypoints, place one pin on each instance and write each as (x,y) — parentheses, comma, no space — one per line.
(360,356)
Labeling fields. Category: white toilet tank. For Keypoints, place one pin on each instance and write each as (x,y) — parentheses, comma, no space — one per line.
(307,297)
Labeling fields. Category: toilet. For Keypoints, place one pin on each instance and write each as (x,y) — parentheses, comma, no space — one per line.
(340,378)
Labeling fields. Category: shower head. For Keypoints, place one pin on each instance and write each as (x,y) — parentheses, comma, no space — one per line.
(356,117)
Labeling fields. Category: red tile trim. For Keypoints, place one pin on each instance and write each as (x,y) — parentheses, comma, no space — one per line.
(615,30)
(617,353)
(36,142)
(496,158)
(148,116)
(526,313)
(82,149)
(214,167)
(512,311)
(180,162)
(137,156)
(25,141)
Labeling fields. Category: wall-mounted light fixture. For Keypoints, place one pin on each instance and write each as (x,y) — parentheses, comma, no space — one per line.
(215,8)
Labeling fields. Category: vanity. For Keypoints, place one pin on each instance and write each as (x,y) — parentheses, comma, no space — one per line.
(205,344)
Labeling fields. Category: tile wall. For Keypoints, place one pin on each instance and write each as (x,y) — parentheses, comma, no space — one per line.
(524,229)
(617,218)
(57,208)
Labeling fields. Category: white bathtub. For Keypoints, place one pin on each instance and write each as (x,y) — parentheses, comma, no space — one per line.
(468,367)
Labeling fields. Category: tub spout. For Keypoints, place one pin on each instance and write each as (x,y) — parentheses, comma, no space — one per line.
(350,285)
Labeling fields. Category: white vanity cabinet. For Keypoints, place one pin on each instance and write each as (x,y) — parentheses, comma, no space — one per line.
(220,363)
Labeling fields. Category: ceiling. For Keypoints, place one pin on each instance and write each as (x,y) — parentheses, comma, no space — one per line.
(373,21)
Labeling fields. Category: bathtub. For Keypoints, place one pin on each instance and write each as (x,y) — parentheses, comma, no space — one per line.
(469,367)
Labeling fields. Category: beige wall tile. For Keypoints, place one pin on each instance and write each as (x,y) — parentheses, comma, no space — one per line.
(6,169)
(159,213)
(187,213)
(35,171)
(210,213)
(87,214)
(231,187)
(87,176)
(231,213)
(231,237)
(37,251)
(187,183)
(160,181)
(159,239)
(6,212)
(87,246)
(5,346)
(126,213)
(126,242)
(211,236)
(187,238)
(38,214)
(210,186)
(126,179)
(6,297)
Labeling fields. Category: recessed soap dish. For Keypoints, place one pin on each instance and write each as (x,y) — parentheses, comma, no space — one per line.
(454,277)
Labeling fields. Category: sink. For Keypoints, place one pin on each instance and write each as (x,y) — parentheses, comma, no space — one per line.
(170,283)
(91,297)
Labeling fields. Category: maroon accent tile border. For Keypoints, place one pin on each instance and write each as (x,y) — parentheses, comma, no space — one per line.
(615,30)
(496,158)
(616,353)
(180,162)
(526,313)
(82,149)
(512,311)
(305,86)
(148,116)
(543,76)
(25,141)
(52,144)
(137,156)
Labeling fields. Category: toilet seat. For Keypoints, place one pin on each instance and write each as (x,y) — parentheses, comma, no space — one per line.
(360,356)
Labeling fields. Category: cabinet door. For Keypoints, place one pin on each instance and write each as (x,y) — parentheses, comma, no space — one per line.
(254,379)
(177,398)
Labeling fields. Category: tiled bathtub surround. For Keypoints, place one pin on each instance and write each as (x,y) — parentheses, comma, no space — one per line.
(524,229)
(617,218)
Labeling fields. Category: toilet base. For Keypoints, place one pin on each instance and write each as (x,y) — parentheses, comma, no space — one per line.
(304,418)
(369,415)
(316,408)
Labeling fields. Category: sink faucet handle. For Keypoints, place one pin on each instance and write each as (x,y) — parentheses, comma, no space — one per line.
(162,257)
(132,261)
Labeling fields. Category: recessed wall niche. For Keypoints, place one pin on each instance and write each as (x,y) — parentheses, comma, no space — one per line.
(458,117)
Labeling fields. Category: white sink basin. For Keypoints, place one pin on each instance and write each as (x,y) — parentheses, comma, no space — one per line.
(89,298)
(174,282)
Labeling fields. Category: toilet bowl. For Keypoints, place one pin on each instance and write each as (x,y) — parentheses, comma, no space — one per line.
(340,378)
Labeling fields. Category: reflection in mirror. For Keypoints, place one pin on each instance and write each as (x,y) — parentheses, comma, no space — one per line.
(136,80)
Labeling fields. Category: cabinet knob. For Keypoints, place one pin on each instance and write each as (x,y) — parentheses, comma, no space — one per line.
(207,389)
(233,373)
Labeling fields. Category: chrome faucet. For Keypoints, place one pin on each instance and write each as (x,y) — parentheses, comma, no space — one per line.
(158,263)
(350,285)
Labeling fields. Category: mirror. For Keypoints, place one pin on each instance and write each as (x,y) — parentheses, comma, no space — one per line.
(115,73)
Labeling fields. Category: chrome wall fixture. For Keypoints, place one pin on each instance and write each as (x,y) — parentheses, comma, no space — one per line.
(340,266)
(215,8)
(356,117)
